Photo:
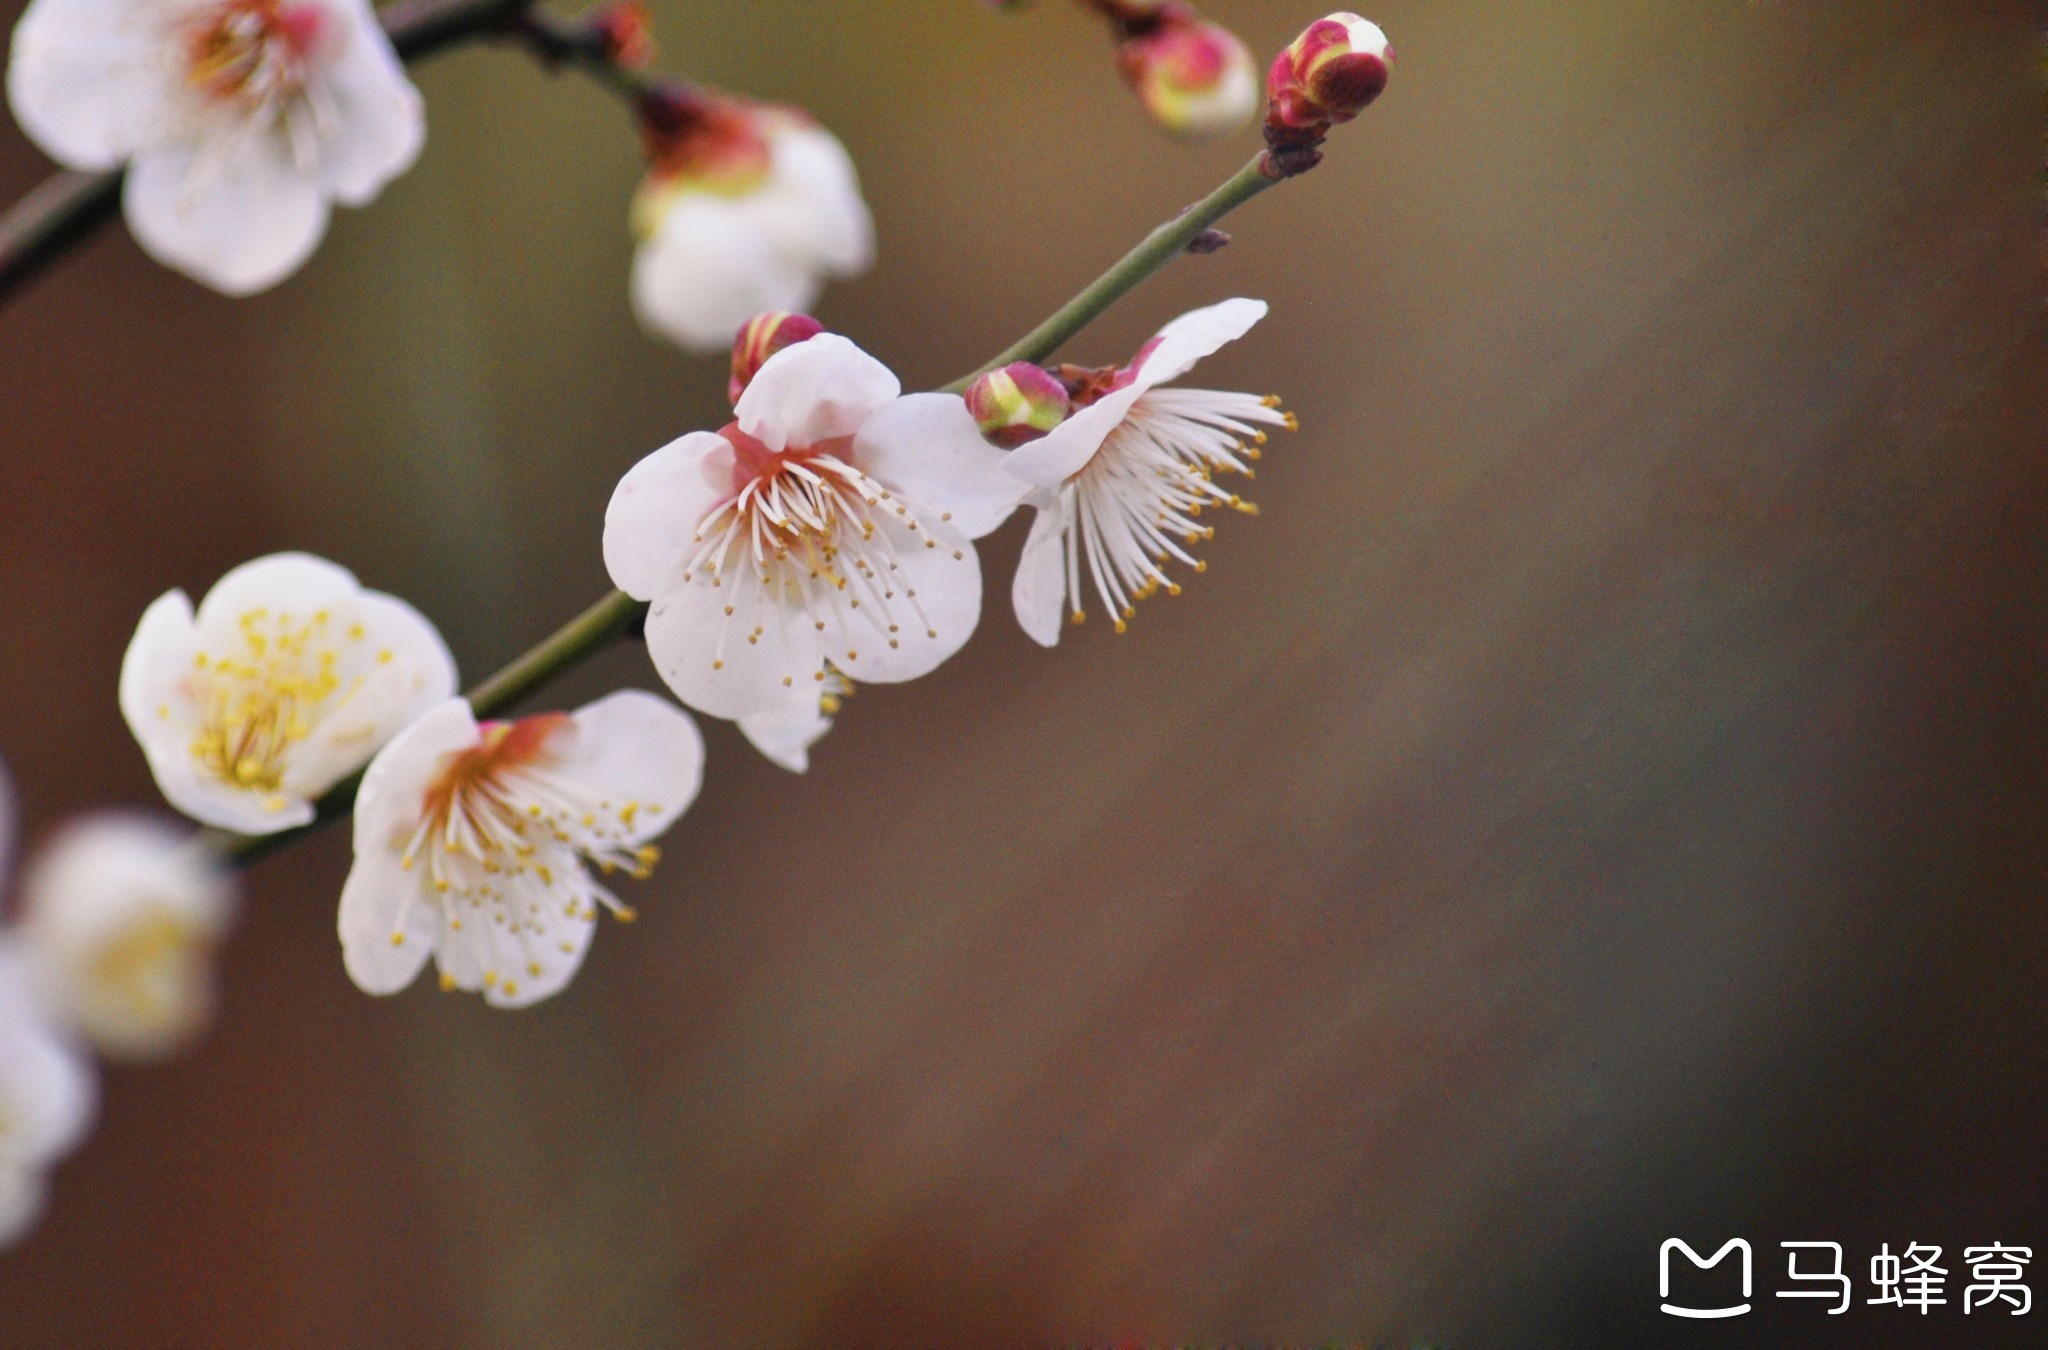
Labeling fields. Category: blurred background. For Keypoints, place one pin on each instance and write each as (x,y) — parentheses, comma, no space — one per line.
(1600,799)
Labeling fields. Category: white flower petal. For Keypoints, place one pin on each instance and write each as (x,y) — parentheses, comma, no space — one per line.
(1195,335)
(786,733)
(927,448)
(1038,591)
(276,581)
(23,1194)
(709,268)
(379,124)
(650,525)
(1065,450)
(814,392)
(938,606)
(85,82)
(640,748)
(382,898)
(705,657)
(817,211)
(47,1098)
(240,224)
(390,923)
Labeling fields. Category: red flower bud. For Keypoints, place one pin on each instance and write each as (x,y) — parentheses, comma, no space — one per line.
(623,30)
(765,335)
(1326,76)
(1016,404)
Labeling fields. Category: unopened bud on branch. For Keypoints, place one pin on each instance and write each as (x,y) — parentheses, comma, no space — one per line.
(1194,77)
(1326,76)
(1016,404)
(765,335)
(623,32)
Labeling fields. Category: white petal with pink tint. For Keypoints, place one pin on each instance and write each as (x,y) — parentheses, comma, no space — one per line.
(1121,484)
(240,120)
(474,843)
(838,538)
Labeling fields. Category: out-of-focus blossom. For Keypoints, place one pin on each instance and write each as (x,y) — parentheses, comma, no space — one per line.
(762,337)
(47,1096)
(785,734)
(624,33)
(1120,484)
(240,121)
(1018,403)
(830,521)
(746,209)
(285,682)
(472,841)
(1194,77)
(1326,76)
(120,917)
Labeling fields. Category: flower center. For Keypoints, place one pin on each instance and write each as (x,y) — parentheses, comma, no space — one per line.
(500,836)
(265,696)
(252,53)
(144,970)
(820,536)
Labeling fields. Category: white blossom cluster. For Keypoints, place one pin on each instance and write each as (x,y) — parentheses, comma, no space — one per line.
(823,538)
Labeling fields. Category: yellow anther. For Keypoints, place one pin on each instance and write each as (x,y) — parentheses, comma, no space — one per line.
(398,939)
(447,983)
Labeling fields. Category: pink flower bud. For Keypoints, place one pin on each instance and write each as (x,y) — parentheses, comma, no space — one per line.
(623,30)
(765,335)
(1016,404)
(1194,77)
(1328,75)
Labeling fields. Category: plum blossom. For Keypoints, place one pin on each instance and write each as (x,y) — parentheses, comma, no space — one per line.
(830,521)
(240,121)
(120,916)
(48,1090)
(1120,484)
(472,841)
(285,681)
(746,208)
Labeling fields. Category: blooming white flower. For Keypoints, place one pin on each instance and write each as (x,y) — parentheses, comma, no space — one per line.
(1121,482)
(785,734)
(240,120)
(47,1096)
(119,919)
(829,522)
(471,841)
(286,680)
(747,210)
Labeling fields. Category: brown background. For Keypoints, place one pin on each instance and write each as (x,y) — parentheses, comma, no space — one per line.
(1599,800)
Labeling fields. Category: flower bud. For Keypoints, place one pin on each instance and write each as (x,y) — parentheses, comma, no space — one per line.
(1327,75)
(623,33)
(1194,77)
(1016,404)
(765,335)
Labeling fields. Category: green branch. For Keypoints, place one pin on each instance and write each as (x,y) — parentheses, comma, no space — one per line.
(1156,250)
(616,614)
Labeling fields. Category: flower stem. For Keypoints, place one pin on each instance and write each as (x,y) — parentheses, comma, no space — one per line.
(1156,250)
